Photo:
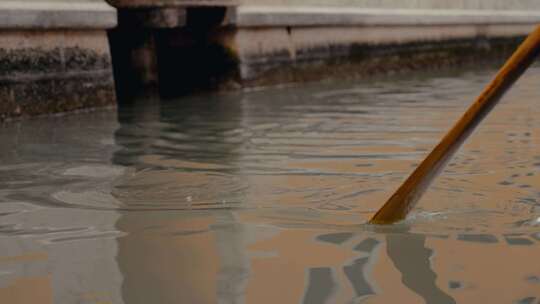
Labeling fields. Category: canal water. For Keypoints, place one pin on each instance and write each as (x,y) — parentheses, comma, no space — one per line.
(262,197)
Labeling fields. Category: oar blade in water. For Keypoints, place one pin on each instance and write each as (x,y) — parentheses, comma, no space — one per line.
(405,198)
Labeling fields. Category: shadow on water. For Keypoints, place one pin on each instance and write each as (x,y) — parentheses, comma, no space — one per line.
(408,253)
(189,256)
(192,128)
(412,258)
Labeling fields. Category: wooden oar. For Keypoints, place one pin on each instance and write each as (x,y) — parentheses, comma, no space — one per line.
(404,199)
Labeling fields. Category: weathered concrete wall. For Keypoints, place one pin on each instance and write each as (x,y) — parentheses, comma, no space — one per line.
(280,42)
(169,3)
(179,43)
(255,42)
(54,56)
(408,4)
(390,4)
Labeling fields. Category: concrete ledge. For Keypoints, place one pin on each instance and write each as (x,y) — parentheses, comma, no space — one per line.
(526,5)
(266,39)
(56,15)
(262,49)
(268,16)
(170,3)
(361,60)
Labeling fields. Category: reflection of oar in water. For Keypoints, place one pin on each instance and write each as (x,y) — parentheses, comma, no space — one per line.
(404,199)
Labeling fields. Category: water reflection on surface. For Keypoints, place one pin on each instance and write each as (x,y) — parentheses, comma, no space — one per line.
(262,196)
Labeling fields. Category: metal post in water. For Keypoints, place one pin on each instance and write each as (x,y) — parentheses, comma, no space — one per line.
(406,197)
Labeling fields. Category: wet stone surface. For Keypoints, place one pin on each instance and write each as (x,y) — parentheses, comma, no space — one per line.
(44,80)
(20,62)
(366,60)
(49,96)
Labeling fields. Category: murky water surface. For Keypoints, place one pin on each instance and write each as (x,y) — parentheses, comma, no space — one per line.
(262,197)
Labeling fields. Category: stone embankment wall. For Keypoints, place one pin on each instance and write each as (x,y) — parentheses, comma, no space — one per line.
(54,56)
(272,42)
(57,55)
(260,42)
(525,5)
